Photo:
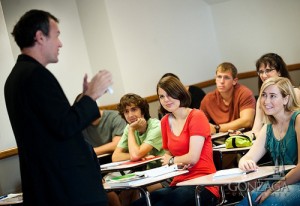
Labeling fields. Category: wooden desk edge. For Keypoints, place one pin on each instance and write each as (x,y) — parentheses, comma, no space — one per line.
(104,155)
(188,182)
(128,166)
(156,179)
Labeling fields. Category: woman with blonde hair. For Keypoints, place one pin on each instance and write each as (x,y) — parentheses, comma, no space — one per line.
(281,138)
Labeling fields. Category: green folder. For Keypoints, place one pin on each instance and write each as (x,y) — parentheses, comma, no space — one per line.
(125,178)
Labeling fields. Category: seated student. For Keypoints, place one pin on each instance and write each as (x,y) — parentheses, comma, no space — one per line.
(231,105)
(105,132)
(141,137)
(185,143)
(281,138)
(197,94)
(267,66)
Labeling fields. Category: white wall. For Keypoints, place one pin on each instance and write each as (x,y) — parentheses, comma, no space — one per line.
(6,62)
(247,29)
(9,172)
(139,41)
(159,36)
(100,45)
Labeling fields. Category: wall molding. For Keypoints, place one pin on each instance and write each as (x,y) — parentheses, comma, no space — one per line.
(8,153)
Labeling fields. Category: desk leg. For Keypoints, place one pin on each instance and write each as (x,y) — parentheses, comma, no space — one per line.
(147,195)
(198,190)
(249,196)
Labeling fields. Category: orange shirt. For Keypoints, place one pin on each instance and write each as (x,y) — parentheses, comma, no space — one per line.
(196,124)
(217,112)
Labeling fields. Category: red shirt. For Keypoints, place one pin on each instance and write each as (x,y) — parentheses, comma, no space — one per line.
(196,124)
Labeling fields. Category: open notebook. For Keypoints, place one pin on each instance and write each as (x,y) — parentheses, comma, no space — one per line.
(231,172)
(129,179)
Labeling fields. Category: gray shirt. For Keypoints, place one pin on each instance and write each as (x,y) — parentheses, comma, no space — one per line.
(111,124)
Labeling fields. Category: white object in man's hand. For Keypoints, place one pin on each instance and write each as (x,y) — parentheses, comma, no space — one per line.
(98,84)
(110,90)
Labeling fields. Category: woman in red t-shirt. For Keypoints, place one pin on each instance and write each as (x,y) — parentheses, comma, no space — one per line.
(186,139)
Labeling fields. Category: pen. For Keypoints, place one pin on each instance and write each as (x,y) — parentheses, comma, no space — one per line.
(250,171)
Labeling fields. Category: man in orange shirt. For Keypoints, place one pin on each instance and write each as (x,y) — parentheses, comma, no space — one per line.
(231,105)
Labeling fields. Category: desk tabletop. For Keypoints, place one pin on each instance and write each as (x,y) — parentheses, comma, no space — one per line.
(124,165)
(224,149)
(104,155)
(224,134)
(209,180)
(12,199)
(219,135)
(146,181)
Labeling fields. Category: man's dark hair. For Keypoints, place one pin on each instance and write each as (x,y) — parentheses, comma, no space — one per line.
(31,22)
(136,100)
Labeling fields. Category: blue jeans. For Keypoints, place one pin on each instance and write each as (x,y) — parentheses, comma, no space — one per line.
(288,195)
(177,196)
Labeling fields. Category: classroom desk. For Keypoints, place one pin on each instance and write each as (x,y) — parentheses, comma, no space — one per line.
(104,155)
(12,199)
(222,136)
(219,138)
(141,184)
(225,150)
(209,180)
(104,158)
(219,135)
(125,165)
(219,153)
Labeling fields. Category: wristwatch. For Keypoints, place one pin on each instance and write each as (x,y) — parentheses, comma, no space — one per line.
(217,128)
(171,161)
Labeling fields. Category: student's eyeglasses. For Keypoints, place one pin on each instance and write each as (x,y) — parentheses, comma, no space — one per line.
(266,71)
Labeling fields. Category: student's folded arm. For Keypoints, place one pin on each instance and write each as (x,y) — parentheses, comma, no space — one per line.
(136,151)
(245,121)
(108,147)
(120,154)
(140,152)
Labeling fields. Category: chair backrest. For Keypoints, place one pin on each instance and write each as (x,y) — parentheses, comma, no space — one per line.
(218,159)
